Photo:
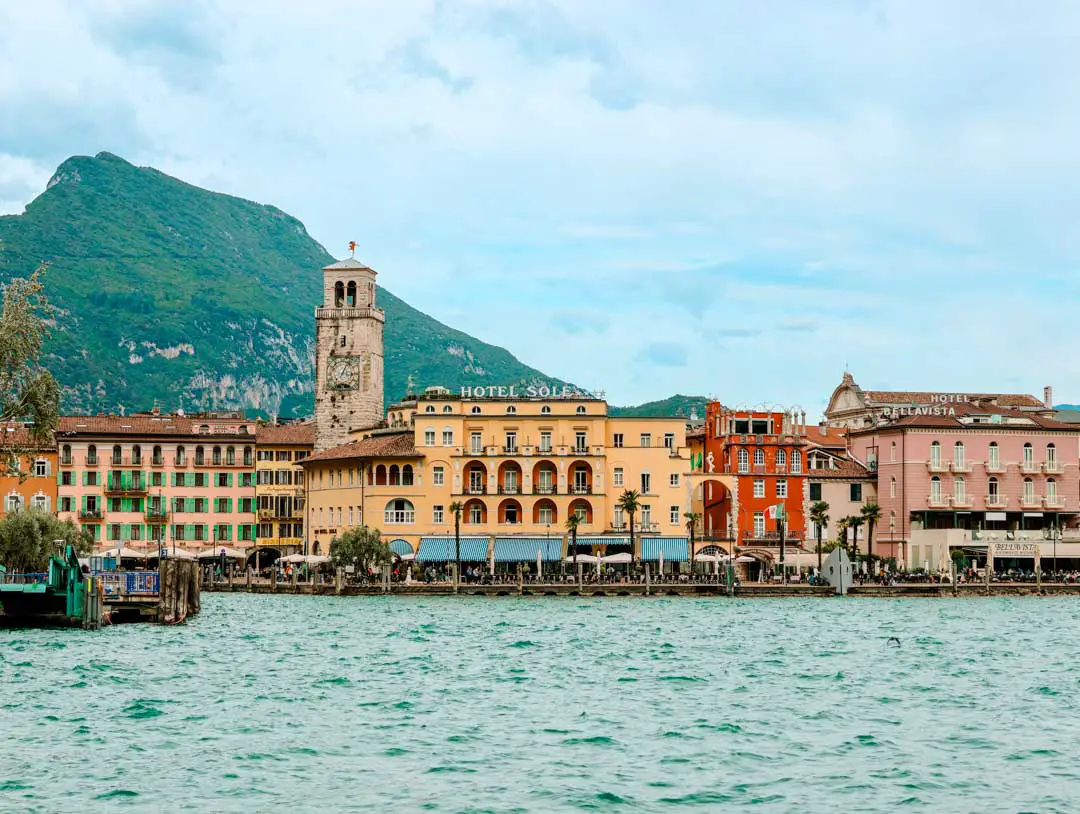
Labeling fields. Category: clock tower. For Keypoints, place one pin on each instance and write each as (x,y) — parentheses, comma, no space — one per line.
(348,354)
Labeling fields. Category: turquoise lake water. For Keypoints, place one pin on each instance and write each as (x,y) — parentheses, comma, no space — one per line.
(550,704)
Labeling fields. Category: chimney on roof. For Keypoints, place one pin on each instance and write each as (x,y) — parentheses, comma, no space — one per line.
(1048,396)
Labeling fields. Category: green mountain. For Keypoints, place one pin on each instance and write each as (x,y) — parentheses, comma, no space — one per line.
(174,295)
(674,406)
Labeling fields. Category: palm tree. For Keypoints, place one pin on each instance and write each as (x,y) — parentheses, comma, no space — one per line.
(628,502)
(456,509)
(572,523)
(854,522)
(871,514)
(691,523)
(819,514)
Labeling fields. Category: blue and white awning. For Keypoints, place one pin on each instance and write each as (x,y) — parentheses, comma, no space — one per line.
(401,547)
(676,549)
(602,540)
(523,549)
(442,549)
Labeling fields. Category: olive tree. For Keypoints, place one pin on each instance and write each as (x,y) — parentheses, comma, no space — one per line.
(360,547)
(28,537)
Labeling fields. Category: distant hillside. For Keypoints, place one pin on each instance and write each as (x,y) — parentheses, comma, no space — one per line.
(674,406)
(170,293)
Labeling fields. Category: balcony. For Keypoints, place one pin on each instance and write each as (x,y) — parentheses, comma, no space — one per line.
(399,518)
(132,487)
(581,489)
(579,451)
(473,451)
(1030,501)
(348,313)
(1053,467)
(510,489)
(157,460)
(156,513)
(180,460)
(1054,502)
(939,501)
(511,449)
(996,501)
(937,466)
(995,467)
(92,461)
(90,514)
(65,461)
(961,467)
(475,490)
(961,502)
(1030,467)
(545,490)
(759,469)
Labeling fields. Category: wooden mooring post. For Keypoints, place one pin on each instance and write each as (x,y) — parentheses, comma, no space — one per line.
(178,590)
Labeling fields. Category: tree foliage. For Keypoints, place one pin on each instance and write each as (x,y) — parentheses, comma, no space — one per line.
(28,538)
(28,392)
(362,548)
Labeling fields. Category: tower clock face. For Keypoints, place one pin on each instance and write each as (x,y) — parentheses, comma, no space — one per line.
(342,373)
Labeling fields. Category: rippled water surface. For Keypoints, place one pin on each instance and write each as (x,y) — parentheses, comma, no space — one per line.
(550,704)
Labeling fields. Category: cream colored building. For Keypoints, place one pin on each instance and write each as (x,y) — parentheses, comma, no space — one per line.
(519,467)
(279,484)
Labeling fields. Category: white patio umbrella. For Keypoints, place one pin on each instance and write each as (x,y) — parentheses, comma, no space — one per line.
(124,553)
(539,565)
(584,558)
(661,562)
(621,558)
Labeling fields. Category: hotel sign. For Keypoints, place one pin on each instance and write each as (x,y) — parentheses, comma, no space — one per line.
(1016,549)
(938,405)
(531,391)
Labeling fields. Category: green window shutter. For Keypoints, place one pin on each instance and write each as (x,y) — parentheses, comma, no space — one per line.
(229,504)
(229,480)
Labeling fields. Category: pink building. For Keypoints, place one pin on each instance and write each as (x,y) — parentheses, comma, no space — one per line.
(149,478)
(999,473)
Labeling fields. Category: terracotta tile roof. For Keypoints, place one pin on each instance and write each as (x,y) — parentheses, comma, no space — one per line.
(163,425)
(391,445)
(913,397)
(15,434)
(846,468)
(297,434)
(826,436)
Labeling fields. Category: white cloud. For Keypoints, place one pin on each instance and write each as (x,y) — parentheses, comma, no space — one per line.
(686,169)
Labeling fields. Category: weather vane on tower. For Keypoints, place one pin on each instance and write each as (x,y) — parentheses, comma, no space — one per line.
(352,248)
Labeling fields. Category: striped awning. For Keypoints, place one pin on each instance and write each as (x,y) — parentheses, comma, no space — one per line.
(441,549)
(523,549)
(401,547)
(676,549)
(603,540)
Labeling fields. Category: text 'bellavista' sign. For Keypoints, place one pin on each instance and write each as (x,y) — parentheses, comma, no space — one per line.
(531,391)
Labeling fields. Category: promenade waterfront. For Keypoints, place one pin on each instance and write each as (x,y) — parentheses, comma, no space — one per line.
(544,704)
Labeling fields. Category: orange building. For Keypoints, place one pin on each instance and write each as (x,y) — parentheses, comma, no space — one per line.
(28,482)
(753,462)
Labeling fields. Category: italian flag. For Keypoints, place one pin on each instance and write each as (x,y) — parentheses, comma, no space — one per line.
(776,512)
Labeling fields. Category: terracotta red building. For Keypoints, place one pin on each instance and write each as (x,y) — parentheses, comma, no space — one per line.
(753,461)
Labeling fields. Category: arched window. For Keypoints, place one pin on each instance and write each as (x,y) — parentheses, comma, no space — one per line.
(1029,489)
(380,475)
(399,512)
(476,410)
(136,454)
(935,454)
(247,456)
(992,488)
(759,457)
(1051,490)
(430,408)
(892,453)
(545,410)
(581,409)
(395,475)
(958,455)
(407,475)
(91,454)
(350,295)
(959,491)
(510,409)
(744,461)
(447,408)
(230,456)
(181,457)
(892,487)
(1029,455)
(935,488)
(155,456)
(1051,456)
(65,454)
(781,460)
(117,454)
(217,456)
(994,456)
(339,294)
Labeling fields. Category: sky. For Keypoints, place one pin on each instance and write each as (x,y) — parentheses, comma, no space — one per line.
(732,199)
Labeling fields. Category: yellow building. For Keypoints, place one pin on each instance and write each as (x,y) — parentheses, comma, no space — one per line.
(279,484)
(519,467)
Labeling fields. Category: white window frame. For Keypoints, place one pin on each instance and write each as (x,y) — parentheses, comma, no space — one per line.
(759,487)
(673,515)
(476,443)
(759,524)
(438,476)
(429,437)
(781,487)
(646,483)
(646,439)
(617,476)
(545,441)
(673,480)
(447,437)
(437,514)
